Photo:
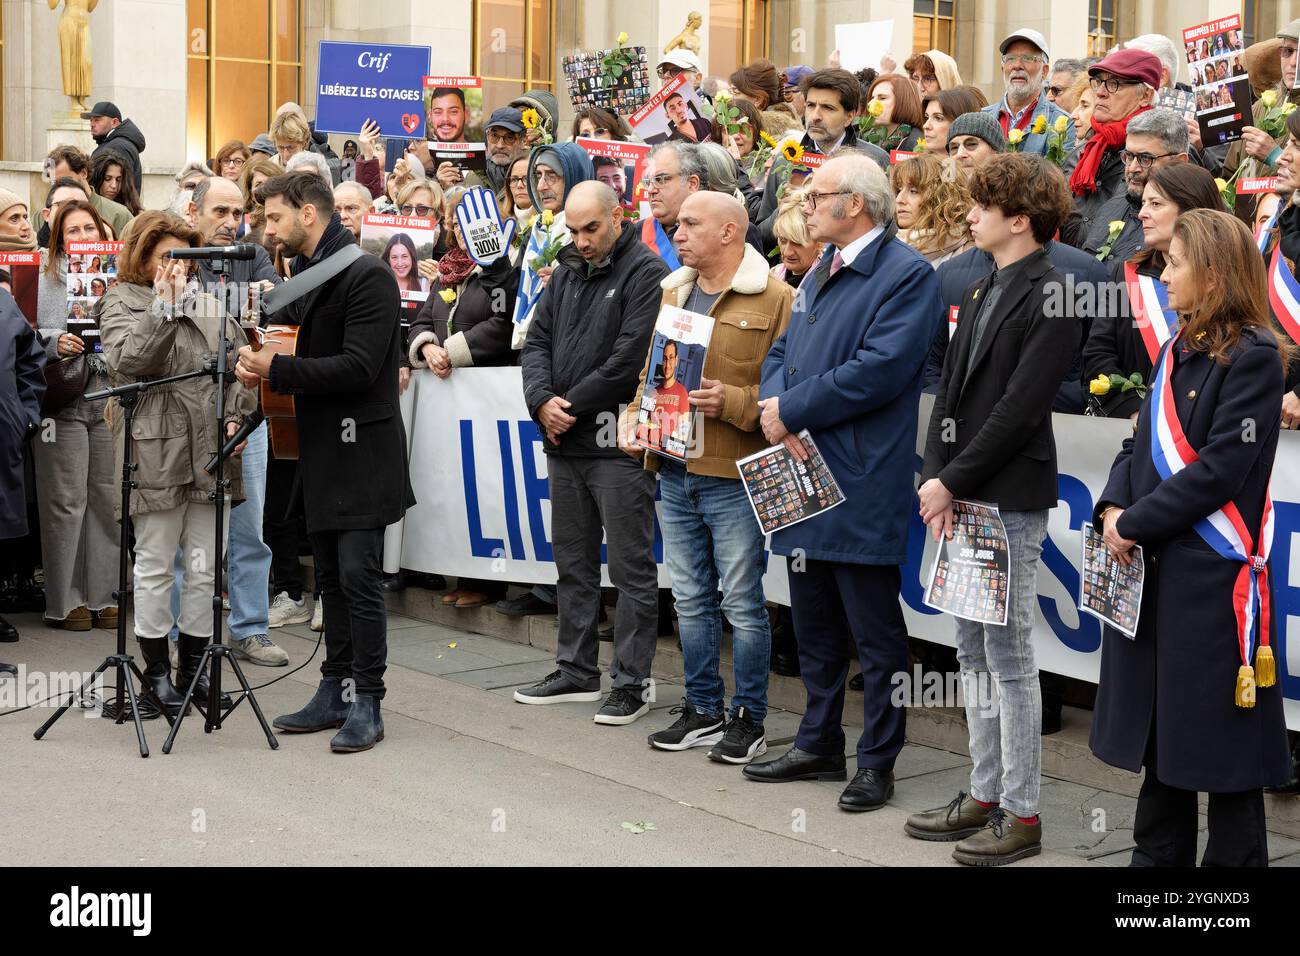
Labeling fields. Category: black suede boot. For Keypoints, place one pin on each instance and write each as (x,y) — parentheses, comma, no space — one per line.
(325,711)
(363,729)
(189,651)
(157,672)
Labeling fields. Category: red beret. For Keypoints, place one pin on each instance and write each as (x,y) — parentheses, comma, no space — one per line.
(1130,65)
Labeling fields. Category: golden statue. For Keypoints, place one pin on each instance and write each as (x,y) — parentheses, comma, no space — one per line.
(687,40)
(74,48)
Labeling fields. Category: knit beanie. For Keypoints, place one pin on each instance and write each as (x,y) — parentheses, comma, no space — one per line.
(981,125)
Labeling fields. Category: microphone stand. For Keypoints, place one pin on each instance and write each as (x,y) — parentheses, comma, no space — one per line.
(122,663)
(216,652)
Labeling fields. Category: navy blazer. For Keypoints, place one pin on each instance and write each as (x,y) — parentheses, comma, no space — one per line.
(1171,688)
(848,368)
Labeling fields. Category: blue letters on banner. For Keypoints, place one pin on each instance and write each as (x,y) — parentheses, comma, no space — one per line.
(376,81)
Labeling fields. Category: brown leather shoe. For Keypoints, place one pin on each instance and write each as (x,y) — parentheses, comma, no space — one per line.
(451,597)
(1003,841)
(78,619)
(472,599)
(961,818)
(106,619)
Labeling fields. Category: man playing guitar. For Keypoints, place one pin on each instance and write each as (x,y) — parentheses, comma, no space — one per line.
(352,476)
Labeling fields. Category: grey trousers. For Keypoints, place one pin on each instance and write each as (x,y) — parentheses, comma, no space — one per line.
(75,487)
(615,496)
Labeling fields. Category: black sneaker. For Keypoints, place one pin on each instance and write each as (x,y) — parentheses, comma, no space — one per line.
(692,729)
(622,706)
(743,741)
(524,605)
(556,688)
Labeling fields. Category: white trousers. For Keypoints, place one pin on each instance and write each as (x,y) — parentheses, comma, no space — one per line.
(191,528)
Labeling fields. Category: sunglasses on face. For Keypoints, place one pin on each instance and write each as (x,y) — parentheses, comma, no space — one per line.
(416,210)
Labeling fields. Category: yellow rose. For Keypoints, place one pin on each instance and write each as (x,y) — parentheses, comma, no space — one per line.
(622,38)
(1268,98)
(1116,226)
(529,119)
(447,295)
(920,145)
(1062,124)
(548,217)
(1099,385)
(875,108)
(1288,108)
(1220,184)
(1015,137)
(1040,125)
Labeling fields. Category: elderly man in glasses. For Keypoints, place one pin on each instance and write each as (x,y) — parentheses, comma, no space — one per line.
(1123,85)
(1155,138)
(681,61)
(1024,106)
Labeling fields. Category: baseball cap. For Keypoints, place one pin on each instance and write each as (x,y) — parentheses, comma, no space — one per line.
(103,108)
(506,117)
(683,59)
(1290,32)
(1024,33)
(794,75)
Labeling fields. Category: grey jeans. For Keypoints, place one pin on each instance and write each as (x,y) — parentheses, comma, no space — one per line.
(75,487)
(1004,727)
(613,497)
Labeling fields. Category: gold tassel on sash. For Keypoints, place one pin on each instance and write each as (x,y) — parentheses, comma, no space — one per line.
(1265,667)
(1245,686)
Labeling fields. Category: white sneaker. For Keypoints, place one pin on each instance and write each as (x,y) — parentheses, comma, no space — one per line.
(284,610)
(318,617)
(259,649)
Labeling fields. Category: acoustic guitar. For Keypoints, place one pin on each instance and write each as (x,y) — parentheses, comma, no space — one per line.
(277,408)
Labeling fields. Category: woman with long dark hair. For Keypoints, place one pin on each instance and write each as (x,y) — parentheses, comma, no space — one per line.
(74,460)
(400,257)
(112,180)
(593,122)
(1122,340)
(1193,699)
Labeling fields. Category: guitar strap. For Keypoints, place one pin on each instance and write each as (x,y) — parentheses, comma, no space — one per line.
(310,280)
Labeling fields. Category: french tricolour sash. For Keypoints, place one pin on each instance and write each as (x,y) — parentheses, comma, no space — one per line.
(1226,533)
(1284,294)
(653,235)
(1149,301)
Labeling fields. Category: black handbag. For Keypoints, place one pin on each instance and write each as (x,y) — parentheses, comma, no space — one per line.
(65,382)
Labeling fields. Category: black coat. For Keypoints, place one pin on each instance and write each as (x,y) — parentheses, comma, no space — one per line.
(1123,208)
(1110,183)
(1082,270)
(127,142)
(22,387)
(1002,450)
(589,339)
(482,323)
(352,464)
(1173,685)
(1115,347)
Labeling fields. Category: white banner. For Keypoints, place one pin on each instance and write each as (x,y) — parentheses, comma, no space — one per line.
(479,474)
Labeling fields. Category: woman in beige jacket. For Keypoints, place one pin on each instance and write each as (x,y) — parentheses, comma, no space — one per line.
(155,323)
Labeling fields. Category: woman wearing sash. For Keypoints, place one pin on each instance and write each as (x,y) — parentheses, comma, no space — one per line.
(1193,698)
(1122,340)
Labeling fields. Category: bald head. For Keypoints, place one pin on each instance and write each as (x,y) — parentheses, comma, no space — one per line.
(217,209)
(352,202)
(594,219)
(710,235)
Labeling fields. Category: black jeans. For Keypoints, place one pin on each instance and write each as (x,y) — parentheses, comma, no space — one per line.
(280,531)
(1166,824)
(348,570)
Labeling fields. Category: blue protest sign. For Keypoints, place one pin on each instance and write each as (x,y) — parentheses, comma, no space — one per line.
(379,81)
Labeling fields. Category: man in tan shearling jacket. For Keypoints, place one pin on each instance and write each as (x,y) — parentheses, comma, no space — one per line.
(713,539)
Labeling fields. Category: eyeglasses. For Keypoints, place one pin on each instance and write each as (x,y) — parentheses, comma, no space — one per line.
(668,72)
(923,80)
(496,135)
(543,175)
(421,210)
(235,161)
(1112,83)
(659,181)
(1055,91)
(1028,59)
(1143,160)
(811,199)
(518,180)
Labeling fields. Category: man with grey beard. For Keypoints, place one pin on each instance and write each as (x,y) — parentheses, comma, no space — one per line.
(1025,68)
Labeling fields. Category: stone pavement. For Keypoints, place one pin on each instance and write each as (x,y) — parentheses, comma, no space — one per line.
(464,776)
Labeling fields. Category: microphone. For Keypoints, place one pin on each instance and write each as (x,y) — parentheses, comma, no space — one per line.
(246,428)
(240,250)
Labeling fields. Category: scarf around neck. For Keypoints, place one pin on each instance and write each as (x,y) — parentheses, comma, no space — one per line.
(454,267)
(1105,138)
